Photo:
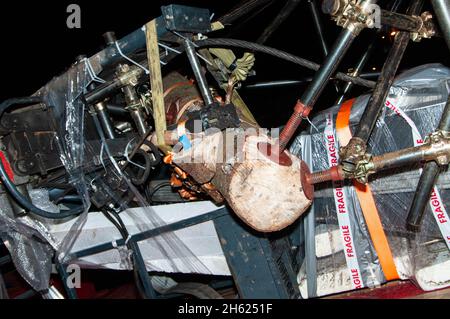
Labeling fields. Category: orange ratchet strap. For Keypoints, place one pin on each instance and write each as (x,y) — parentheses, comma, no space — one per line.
(367,201)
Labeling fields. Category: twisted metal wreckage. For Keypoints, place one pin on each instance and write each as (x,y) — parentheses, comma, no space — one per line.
(103,143)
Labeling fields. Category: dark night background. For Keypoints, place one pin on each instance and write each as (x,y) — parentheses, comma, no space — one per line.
(37,45)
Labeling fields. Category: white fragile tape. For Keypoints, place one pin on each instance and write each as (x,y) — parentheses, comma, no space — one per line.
(437,205)
(341,202)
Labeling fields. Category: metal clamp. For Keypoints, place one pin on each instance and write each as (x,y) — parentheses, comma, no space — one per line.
(427,29)
(354,15)
(440,147)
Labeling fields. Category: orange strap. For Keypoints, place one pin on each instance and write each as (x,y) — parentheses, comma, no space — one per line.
(367,201)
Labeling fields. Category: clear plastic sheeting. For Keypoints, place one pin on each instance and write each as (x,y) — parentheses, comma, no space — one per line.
(64,94)
(201,240)
(80,156)
(413,110)
(28,244)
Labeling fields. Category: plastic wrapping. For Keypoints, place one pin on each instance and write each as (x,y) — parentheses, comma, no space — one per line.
(28,244)
(413,110)
(64,96)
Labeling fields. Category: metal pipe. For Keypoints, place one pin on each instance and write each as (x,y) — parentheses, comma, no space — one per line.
(442,11)
(438,151)
(422,195)
(102,91)
(364,59)
(199,76)
(318,26)
(284,13)
(427,181)
(400,21)
(356,72)
(103,115)
(138,117)
(379,95)
(309,98)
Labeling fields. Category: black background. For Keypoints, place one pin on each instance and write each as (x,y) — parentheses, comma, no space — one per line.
(37,45)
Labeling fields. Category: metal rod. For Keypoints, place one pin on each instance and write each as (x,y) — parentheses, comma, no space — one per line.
(427,181)
(356,72)
(320,79)
(442,11)
(199,76)
(364,59)
(401,21)
(152,233)
(139,263)
(405,157)
(105,121)
(71,292)
(284,13)
(379,95)
(318,26)
(422,195)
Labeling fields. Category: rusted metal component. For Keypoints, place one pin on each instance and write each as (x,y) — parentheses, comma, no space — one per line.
(336,173)
(301,111)
(308,187)
(436,148)
(355,151)
(420,27)
(317,85)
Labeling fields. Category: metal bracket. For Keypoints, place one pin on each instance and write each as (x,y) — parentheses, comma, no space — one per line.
(186,19)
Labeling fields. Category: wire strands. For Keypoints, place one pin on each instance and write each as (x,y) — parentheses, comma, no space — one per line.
(218,42)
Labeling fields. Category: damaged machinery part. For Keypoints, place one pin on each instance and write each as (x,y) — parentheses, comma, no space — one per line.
(430,174)
(356,148)
(352,27)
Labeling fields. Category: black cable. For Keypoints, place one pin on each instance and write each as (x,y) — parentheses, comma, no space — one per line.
(117,221)
(25,203)
(19,101)
(221,42)
(143,177)
(151,193)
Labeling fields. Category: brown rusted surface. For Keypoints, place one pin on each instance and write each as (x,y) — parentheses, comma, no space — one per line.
(272,152)
(333,174)
(308,188)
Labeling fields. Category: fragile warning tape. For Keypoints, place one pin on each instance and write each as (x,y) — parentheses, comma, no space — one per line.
(367,202)
(437,205)
(341,203)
